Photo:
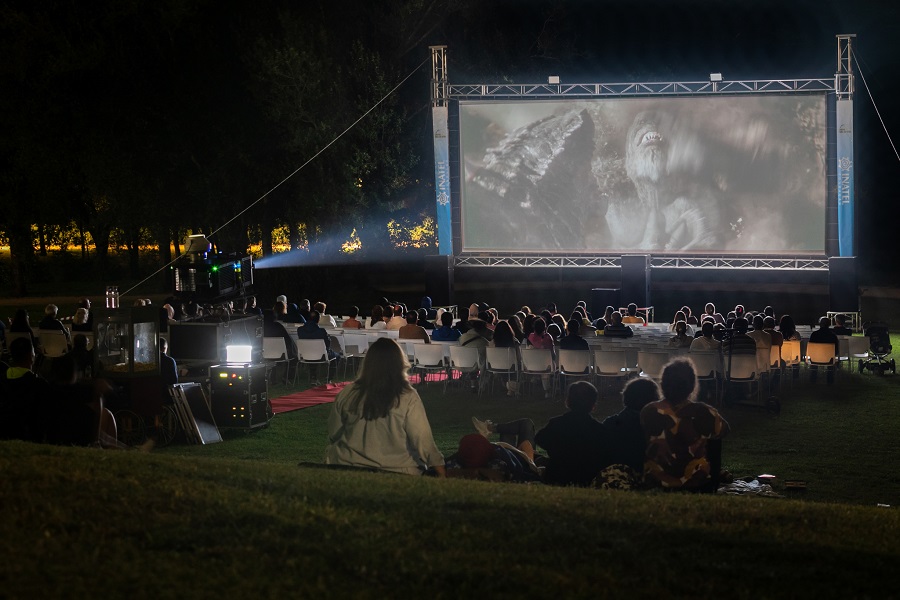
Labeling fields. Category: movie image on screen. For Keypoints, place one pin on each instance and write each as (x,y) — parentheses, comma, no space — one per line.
(698,175)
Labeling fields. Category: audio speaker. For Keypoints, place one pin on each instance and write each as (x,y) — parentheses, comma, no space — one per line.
(439,279)
(843,292)
(636,280)
(603,297)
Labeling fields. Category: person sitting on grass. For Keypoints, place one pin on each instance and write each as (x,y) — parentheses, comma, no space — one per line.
(576,443)
(628,446)
(379,421)
(679,430)
(478,458)
(518,433)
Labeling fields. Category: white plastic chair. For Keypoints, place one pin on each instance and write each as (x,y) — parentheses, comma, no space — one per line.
(575,364)
(275,353)
(821,355)
(355,346)
(463,360)
(708,366)
(609,364)
(743,369)
(501,361)
(312,352)
(428,358)
(652,363)
(53,343)
(539,362)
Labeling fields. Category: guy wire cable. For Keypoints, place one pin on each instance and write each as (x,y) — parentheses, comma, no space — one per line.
(872,99)
(283,181)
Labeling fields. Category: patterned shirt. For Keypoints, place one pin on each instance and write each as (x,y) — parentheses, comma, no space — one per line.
(676,442)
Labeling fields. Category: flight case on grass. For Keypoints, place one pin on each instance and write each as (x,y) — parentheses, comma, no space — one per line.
(239,396)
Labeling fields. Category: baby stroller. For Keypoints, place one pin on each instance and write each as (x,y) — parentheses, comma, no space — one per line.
(879,349)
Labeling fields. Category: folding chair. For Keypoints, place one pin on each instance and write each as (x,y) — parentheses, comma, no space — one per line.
(609,364)
(708,366)
(575,364)
(312,352)
(428,358)
(501,361)
(275,353)
(355,347)
(652,363)
(53,343)
(539,362)
(464,360)
(790,354)
(821,355)
(743,369)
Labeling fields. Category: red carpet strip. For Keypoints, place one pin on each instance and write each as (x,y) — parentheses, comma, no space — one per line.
(311,397)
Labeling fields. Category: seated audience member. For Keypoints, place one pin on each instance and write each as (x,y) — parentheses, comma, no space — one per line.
(628,446)
(678,429)
(446,332)
(397,320)
(80,322)
(272,327)
(559,321)
(706,342)
(300,313)
(787,329)
(515,323)
(616,328)
(477,336)
(503,336)
(25,395)
(760,335)
(540,338)
(22,324)
(576,443)
(518,433)
(607,314)
(583,305)
(680,316)
(75,414)
(710,309)
(769,327)
(352,321)
(376,320)
(312,331)
(422,319)
(573,341)
(50,322)
(325,320)
(840,325)
(739,342)
(411,331)
(690,318)
(250,307)
(600,324)
(681,338)
(430,312)
(554,331)
(379,421)
(528,324)
(824,335)
(631,316)
(478,458)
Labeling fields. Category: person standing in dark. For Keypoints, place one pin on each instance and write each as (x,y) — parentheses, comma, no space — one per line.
(577,444)
(824,335)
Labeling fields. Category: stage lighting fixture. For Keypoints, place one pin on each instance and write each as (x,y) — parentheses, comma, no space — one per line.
(553,79)
(715,77)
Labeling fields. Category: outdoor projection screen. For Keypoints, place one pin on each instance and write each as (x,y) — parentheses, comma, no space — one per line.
(679,175)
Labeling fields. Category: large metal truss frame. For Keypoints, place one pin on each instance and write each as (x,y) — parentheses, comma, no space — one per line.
(657,262)
(600,90)
(841,85)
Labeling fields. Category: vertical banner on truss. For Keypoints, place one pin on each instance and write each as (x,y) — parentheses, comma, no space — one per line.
(845,176)
(442,179)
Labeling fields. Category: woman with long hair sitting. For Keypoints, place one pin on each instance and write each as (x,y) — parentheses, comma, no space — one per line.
(379,421)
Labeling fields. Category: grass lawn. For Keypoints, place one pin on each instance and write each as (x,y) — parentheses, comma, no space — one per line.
(240,518)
